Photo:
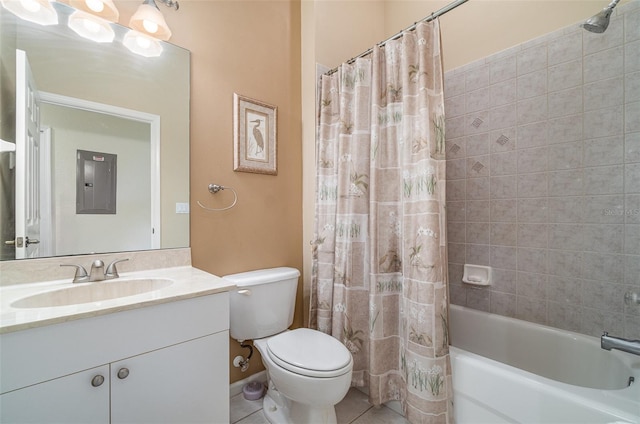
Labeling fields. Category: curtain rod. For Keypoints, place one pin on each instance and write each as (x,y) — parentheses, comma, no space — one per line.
(429,18)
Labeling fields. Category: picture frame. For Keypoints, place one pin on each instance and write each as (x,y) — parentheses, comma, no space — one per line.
(255,136)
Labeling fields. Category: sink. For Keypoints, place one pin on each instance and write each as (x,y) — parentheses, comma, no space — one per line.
(92,292)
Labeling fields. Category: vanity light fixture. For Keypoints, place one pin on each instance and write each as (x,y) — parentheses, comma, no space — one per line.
(38,11)
(142,44)
(104,9)
(149,20)
(90,26)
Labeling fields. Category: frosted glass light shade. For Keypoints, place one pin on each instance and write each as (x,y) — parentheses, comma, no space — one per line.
(91,27)
(38,11)
(149,20)
(142,44)
(104,9)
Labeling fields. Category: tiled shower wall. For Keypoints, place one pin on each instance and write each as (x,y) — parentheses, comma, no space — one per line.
(543,178)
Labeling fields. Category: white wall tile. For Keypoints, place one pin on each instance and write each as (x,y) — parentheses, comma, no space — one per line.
(503,92)
(604,209)
(502,140)
(632,26)
(478,188)
(612,37)
(565,156)
(605,122)
(565,75)
(532,210)
(605,238)
(503,187)
(532,235)
(503,116)
(504,257)
(604,180)
(566,183)
(604,151)
(532,59)
(564,48)
(477,78)
(632,178)
(632,87)
(532,84)
(477,144)
(532,185)
(503,69)
(568,209)
(565,102)
(478,211)
(565,129)
(602,65)
(532,110)
(454,106)
(477,100)
(453,84)
(632,147)
(604,93)
(504,210)
(631,57)
(632,117)
(532,160)
(532,135)
(504,163)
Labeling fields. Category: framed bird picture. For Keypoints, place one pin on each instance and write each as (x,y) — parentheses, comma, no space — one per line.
(254,134)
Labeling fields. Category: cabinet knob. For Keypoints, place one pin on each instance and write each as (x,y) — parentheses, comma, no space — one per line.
(97,381)
(123,373)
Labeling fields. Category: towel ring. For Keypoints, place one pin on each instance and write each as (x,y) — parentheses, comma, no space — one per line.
(213,189)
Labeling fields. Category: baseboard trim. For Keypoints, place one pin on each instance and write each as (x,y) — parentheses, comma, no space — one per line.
(236,388)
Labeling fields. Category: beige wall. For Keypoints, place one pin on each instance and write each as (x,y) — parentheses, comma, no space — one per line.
(251,48)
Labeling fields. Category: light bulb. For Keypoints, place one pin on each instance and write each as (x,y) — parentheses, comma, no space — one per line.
(91,26)
(30,5)
(150,26)
(95,5)
(143,42)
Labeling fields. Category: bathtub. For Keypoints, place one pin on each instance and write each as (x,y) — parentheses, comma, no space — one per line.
(511,371)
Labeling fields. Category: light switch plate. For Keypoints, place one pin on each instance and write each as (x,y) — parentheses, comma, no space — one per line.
(182,208)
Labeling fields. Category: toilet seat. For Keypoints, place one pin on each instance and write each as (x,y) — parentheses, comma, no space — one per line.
(310,353)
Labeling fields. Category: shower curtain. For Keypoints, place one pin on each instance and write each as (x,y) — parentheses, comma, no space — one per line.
(379,255)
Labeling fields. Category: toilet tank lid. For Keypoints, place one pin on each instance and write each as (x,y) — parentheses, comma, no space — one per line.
(262,276)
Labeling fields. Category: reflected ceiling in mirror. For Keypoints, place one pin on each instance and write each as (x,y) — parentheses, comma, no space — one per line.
(109,74)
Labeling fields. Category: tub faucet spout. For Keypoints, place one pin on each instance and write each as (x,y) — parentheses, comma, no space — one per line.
(609,342)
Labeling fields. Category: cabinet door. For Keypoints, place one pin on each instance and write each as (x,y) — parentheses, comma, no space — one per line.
(76,398)
(183,383)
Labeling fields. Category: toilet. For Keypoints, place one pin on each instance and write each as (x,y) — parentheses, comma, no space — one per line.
(309,372)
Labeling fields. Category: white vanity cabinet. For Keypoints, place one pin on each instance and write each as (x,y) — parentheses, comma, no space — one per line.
(163,363)
(69,399)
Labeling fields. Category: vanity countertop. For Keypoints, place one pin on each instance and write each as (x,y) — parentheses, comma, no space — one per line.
(187,282)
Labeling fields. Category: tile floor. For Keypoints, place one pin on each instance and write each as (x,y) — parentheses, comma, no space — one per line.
(354,409)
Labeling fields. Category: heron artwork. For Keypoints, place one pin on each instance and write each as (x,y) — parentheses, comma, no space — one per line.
(258,137)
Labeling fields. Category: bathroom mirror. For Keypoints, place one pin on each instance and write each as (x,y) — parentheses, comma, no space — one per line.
(99,97)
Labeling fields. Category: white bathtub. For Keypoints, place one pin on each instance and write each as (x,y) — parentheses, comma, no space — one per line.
(511,371)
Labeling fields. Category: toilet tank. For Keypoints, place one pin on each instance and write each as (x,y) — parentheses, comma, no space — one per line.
(263,302)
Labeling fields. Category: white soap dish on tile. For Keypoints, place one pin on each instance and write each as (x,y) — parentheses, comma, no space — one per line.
(477,275)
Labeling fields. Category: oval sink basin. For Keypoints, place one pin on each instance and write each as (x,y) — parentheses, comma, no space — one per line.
(92,292)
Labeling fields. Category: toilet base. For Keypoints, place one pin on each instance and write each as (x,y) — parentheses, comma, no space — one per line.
(279,410)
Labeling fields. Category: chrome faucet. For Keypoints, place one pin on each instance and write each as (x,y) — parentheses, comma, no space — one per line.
(609,342)
(112,271)
(97,271)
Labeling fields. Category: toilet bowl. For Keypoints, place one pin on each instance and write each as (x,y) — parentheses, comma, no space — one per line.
(309,371)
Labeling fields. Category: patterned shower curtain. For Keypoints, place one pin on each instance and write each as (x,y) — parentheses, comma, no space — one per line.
(379,255)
